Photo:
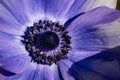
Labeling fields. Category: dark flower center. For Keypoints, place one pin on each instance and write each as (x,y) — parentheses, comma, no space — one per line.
(47,42)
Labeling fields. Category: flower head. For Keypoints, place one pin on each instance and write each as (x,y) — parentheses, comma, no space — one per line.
(42,39)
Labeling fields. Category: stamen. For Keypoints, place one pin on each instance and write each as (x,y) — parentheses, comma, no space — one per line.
(47,42)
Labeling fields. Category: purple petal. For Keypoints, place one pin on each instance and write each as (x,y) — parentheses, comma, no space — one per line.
(17,9)
(35,9)
(64,9)
(96,30)
(55,72)
(16,64)
(8,23)
(47,10)
(11,50)
(64,68)
(56,9)
(2,77)
(27,11)
(103,66)
(6,72)
(47,73)
(80,6)
(75,56)
(36,72)
(33,72)
(10,45)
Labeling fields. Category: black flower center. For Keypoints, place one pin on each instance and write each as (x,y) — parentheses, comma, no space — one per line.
(47,42)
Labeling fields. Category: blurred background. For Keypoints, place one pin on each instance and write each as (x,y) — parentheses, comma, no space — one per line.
(118,5)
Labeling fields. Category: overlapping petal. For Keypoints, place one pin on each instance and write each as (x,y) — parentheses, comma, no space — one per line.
(88,32)
(36,72)
(13,56)
(64,9)
(103,66)
(16,64)
(75,55)
(96,30)
(32,72)
(64,66)
(55,10)
(55,72)
(47,9)
(80,6)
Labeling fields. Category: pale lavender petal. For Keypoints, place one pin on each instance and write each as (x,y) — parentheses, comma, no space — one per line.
(10,45)
(35,9)
(95,33)
(13,56)
(56,9)
(63,10)
(37,72)
(64,66)
(96,30)
(55,72)
(47,10)
(80,6)
(16,64)
(47,74)
(95,3)
(29,74)
(17,9)
(8,23)
(2,77)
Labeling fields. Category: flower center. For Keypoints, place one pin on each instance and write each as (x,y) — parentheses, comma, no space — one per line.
(47,42)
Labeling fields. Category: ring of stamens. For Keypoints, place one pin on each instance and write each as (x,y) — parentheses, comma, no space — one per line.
(46,57)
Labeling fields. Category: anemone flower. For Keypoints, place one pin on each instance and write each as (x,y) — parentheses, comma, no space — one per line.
(43,39)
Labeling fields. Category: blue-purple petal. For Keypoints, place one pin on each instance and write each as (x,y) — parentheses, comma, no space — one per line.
(75,55)
(63,10)
(94,33)
(2,77)
(35,8)
(16,64)
(103,66)
(56,9)
(17,9)
(47,73)
(29,11)
(29,74)
(10,45)
(8,23)
(80,6)
(64,66)
(48,10)
(96,30)
(13,56)
(35,72)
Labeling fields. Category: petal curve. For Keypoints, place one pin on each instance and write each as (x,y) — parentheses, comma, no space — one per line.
(96,30)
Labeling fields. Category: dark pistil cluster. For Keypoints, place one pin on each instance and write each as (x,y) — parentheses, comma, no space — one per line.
(44,53)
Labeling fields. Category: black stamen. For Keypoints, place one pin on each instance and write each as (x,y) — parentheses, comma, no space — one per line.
(47,37)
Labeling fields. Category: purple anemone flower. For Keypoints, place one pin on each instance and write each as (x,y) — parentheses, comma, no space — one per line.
(59,40)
